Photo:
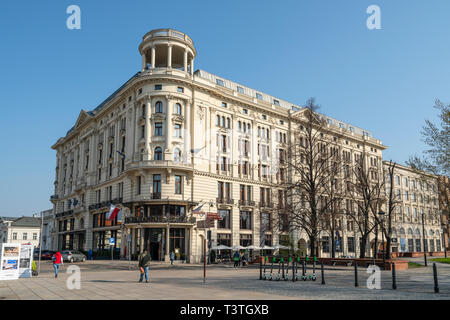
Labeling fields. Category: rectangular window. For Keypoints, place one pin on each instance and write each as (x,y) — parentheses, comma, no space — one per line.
(259,96)
(220,82)
(139,184)
(276,102)
(156,183)
(158,129)
(225,222)
(240,89)
(325,245)
(178,130)
(180,89)
(246,220)
(25,236)
(418,245)
(351,244)
(158,86)
(14,235)
(177,184)
(245,240)
(410,245)
(224,104)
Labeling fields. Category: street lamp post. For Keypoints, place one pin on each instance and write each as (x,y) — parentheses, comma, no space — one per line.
(424,240)
(382,216)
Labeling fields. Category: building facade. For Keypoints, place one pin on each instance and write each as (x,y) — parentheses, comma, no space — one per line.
(47,219)
(417,201)
(20,230)
(170,140)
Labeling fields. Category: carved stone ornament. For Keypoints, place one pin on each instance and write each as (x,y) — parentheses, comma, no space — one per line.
(201,112)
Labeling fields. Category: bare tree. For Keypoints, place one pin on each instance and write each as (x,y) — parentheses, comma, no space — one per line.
(366,190)
(391,204)
(311,166)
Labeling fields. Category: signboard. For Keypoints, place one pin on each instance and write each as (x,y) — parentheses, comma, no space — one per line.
(26,260)
(213,216)
(112,241)
(205,224)
(9,267)
(394,240)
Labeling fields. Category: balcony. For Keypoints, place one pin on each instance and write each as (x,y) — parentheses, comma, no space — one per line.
(104,204)
(160,219)
(265,204)
(224,201)
(247,203)
(156,195)
(158,164)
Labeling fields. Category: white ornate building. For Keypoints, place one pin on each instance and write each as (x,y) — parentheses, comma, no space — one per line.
(170,139)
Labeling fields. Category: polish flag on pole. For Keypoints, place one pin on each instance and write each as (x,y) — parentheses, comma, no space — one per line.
(113,212)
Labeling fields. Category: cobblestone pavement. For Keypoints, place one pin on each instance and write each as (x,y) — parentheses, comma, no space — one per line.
(114,280)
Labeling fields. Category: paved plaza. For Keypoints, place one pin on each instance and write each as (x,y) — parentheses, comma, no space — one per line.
(106,280)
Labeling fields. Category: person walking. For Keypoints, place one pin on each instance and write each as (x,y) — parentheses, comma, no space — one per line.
(172,257)
(236,259)
(57,262)
(144,264)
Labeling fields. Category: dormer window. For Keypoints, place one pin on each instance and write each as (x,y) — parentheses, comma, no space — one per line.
(244,111)
(220,82)
(276,102)
(259,96)
(240,89)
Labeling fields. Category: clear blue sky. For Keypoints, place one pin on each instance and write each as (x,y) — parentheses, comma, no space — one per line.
(384,81)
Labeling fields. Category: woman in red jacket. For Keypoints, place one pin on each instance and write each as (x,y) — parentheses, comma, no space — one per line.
(57,262)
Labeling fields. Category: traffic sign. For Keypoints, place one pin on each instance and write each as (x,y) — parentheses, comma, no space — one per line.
(112,241)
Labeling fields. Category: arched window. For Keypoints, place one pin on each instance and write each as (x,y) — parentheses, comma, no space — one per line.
(248,127)
(402,231)
(81,223)
(218,120)
(159,107)
(178,108)
(228,123)
(410,231)
(418,232)
(239,126)
(431,233)
(158,153)
(177,155)
(223,121)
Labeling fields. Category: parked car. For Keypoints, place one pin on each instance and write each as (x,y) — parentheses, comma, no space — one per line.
(47,254)
(73,255)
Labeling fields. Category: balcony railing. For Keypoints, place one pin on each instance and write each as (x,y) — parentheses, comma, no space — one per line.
(156,195)
(104,204)
(160,219)
(265,204)
(247,203)
(225,201)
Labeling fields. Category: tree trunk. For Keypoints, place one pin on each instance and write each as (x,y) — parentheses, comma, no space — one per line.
(388,248)
(362,249)
(333,245)
(312,245)
(375,251)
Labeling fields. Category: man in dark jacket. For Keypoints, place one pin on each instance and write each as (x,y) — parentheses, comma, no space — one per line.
(144,262)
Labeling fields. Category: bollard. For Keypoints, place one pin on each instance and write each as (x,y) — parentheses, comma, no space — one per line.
(436,286)
(282,266)
(264,275)
(323,273)
(304,270)
(260,269)
(394,279)
(356,274)
(293,271)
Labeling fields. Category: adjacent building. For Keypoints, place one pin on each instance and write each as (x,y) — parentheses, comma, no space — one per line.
(20,230)
(417,219)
